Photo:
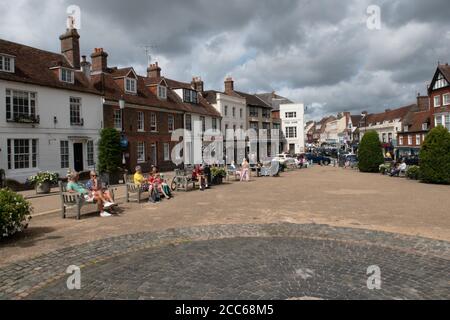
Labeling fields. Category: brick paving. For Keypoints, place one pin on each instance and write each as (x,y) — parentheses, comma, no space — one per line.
(275,261)
(336,218)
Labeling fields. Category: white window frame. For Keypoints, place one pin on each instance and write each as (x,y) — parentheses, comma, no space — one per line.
(140,151)
(67,75)
(130,85)
(75,103)
(424,126)
(410,140)
(117,116)
(11,63)
(32,156)
(141,121)
(12,95)
(400,140)
(64,151)
(171,122)
(162,92)
(166,152)
(438,120)
(90,153)
(447,121)
(418,142)
(446,99)
(153,122)
(291,132)
(437,101)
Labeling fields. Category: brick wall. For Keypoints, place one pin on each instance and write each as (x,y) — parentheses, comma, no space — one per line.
(159,138)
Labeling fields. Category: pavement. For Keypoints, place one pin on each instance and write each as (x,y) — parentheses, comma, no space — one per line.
(338,217)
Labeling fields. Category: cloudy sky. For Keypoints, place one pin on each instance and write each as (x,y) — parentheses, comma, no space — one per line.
(320,52)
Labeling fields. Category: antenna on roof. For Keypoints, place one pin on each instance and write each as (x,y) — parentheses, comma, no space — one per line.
(147,49)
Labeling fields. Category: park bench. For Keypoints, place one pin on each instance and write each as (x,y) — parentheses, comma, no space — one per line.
(72,200)
(271,169)
(182,180)
(133,192)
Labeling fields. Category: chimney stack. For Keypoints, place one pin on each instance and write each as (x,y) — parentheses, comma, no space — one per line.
(154,71)
(99,60)
(70,47)
(198,84)
(86,67)
(229,85)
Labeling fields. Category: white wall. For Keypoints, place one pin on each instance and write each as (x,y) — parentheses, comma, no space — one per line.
(50,103)
(298,122)
(232,102)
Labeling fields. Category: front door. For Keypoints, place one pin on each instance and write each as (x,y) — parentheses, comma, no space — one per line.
(292,149)
(78,157)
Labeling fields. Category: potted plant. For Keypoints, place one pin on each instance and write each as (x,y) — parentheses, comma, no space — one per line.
(218,174)
(43,181)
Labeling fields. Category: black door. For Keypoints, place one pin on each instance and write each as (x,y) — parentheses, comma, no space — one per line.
(78,157)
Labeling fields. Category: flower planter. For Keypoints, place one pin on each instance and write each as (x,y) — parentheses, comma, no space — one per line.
(217,180)
(43,188)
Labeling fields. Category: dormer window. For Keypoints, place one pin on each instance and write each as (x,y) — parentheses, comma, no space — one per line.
(424,126)
(190,96)
(7,63)
(162,92)
(66,75)
(130,85)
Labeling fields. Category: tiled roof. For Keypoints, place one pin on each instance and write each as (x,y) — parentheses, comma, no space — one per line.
(203,107)
(144,97)
(253,100)
(33,65)
(273,99)
(356,120)
(445,70)
(389,115)
(415,119)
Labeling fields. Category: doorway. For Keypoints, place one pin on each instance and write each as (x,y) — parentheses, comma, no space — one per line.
(78,157)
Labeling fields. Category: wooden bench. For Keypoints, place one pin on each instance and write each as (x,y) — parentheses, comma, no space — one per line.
(182,180)
(70,200)
(133,191)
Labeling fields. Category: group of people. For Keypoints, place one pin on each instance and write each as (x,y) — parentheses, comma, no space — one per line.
(94,191)
(244,171)
(155,185)
(398,168)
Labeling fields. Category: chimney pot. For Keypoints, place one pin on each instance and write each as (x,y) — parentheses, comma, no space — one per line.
(229,85)
(70,47)
(99,60)
(154,71)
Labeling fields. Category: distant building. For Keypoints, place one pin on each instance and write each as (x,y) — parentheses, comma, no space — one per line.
(439,94)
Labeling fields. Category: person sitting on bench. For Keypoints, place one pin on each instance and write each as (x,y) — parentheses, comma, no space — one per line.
(95,185)
(197,175)
(398,169)
(74,187)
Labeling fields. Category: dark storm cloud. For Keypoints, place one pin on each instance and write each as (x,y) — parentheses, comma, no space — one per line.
(315,51)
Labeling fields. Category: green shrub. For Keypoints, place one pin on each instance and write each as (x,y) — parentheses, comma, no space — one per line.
(370,153)
(435,157)
(413,173)
(218,172)
(109,151)
(15,213)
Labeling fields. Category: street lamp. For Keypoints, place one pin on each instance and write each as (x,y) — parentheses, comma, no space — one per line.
(122,108)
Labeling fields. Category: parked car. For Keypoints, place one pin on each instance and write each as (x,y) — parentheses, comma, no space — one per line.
(319,159)
(286,159)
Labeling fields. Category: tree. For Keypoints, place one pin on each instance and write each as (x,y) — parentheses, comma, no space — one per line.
(370,153)
(109,151)
(435,157)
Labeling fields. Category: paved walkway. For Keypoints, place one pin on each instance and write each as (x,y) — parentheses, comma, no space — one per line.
(322,195)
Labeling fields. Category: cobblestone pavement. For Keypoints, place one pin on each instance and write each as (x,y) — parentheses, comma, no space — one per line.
(271,261)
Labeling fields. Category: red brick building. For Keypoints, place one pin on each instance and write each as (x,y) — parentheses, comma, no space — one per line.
(415,127)
(439,94)
(151,112)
